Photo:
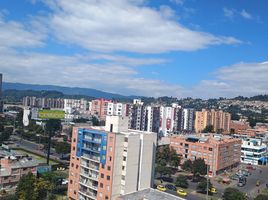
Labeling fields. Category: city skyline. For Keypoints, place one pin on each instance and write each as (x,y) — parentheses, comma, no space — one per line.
(150,48)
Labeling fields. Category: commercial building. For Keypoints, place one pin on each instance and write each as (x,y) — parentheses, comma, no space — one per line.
(220,152)
(253,151)
(1,94)
(112,161)
(218,119)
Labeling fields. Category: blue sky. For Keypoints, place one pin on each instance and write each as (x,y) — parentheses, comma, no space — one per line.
(177,48)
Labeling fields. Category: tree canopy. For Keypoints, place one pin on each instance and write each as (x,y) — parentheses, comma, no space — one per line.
(233,194)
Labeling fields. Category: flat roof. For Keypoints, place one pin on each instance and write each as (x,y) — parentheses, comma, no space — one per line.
(149,194)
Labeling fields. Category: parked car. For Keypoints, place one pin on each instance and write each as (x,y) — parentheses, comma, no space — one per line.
(181,192)
(161,188)
(171,187)
(213,190)
(166,179)
(258,183)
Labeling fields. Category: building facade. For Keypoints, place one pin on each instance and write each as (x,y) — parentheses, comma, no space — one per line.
(109,162)
(218,119)
(253,151)
(219,152)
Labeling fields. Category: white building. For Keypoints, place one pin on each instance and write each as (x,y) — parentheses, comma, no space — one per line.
(253,151)
(166,120)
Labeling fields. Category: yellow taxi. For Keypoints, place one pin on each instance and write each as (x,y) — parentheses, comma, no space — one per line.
(181,192)
(161,188)
(213,190)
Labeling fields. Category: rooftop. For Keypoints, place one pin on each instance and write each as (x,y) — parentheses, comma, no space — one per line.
(149,194)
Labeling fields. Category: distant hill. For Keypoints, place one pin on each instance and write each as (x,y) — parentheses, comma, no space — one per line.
(64,90)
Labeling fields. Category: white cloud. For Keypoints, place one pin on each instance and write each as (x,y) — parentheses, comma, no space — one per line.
(124,25)
(14,34)
(228,12)
(239,79)
(81,71)
(245,14)
(178,2)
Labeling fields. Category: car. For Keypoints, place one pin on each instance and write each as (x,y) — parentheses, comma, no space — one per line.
(258,183)
(161,188)
(166,179)
(213,190)
(181,192)
(171,187)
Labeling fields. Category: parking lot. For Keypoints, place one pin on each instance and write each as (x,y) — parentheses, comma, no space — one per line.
(259,174)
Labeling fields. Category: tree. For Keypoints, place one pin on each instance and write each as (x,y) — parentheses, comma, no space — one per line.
(202,186)
(163,170)
(63,148)
(233,194)
(261,197)
(31,188)
(181,181)
(95,121)
(187,165)
(208,129)
(52,126)
(199,166)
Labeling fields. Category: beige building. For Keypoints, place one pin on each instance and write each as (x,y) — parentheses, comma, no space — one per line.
(219,119)
(220,152)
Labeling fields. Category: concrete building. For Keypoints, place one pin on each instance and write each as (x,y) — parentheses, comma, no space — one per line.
(1,94)
(13,167)
(253,151)
(167,118)
(218,119)
(149,194)
(112,161)
(220,152)
(237,126)
(99,107)
(43,102)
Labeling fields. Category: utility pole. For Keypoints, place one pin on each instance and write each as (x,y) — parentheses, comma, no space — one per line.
(48,146)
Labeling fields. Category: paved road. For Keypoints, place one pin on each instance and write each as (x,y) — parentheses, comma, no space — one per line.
(33,147)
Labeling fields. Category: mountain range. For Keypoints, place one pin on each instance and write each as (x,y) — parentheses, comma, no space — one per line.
(65,90)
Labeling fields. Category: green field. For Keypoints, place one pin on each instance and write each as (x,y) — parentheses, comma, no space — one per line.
(37,157)
(51,114)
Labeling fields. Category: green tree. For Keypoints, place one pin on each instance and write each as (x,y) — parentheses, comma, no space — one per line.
(187,165)
(181,181)
(261,197)
(202,186)
(163,170)
(63,148)
(95,121)
(199,167)
(208,129)
(233,194)
(31,188)
(52,126)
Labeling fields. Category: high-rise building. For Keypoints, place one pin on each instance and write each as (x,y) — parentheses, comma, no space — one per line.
(99,107)
(218,119)
(109,162)
(1,94)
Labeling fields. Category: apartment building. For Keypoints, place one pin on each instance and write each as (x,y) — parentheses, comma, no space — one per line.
(110,161)
(253,151)
(220,152)
(219,119)
(99,107)
(237,126)
(13,167)
(43,102)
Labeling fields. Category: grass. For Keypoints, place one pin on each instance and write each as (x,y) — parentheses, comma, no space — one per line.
(37,157)
(265,191)
(61,197)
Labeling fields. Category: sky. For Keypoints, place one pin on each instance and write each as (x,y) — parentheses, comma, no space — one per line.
(180,48)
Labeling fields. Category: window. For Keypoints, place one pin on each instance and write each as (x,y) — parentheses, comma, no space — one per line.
(73,148)
(72,165)
(110,139)
(102,175)
(110,149)
(77,158)
(126,139)
(102,166)
(76,166)
(123,177)
(74,140)
(71,181)
(100,194)
(107,187)
(108,178)
(123,168)
(110,158)
(109,168)
(106,198)
(74,191)
(124,158)
(210,149)
(101,185)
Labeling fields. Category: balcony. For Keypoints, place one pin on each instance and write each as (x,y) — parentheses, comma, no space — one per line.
(91,157)
(90,165)
(88,194)
(89,183)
